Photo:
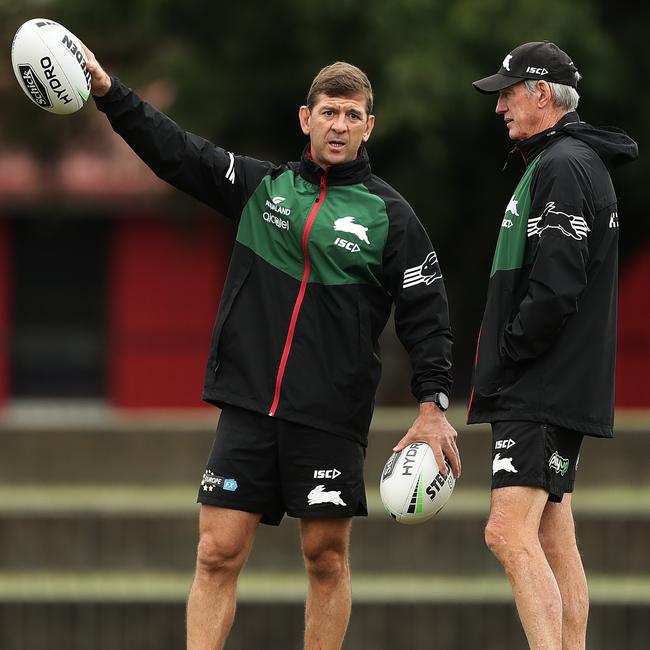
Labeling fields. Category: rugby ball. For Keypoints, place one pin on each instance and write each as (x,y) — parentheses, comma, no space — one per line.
(50,66)
(412,488)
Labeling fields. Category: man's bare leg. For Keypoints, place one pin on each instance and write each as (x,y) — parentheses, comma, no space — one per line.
(558,538)
(325,544)
(225,540)
(512,534)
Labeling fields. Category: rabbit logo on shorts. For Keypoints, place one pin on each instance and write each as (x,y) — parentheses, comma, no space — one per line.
(320,495)
(502,464)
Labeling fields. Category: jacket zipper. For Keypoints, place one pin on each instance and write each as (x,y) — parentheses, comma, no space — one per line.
(301,293)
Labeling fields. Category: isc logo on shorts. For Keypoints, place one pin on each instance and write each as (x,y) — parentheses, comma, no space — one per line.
(504,444)
(326,473)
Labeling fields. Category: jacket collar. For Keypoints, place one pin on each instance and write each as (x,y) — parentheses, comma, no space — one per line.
(350,173)
(530,148)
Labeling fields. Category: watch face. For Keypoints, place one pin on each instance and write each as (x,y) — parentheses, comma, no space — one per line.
(443,400)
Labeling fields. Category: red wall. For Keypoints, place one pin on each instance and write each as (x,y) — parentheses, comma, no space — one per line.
(633,363)
(165,281)
(4,310)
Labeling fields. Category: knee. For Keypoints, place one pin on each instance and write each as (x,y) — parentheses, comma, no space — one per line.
(326,563)
(550,544)
(505,542)
(494,539)
(557,540)
(216,555)
(559,547)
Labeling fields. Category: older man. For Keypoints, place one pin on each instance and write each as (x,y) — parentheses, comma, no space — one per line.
(544,373)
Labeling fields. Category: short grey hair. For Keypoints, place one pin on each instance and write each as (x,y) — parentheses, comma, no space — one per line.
(565,97)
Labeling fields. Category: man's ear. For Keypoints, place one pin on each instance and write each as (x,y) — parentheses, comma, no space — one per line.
(370,124)
(545,94)
(304,116)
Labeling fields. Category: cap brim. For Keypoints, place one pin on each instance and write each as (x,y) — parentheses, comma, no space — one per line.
(494,83)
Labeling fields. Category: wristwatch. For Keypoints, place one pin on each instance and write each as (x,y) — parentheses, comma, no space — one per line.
(439,399)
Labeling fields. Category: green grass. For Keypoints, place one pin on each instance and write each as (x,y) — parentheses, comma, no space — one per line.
(181,500)
(79,499)
(291,587)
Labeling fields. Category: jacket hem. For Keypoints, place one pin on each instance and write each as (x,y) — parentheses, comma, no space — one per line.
(594,429)
(221,399)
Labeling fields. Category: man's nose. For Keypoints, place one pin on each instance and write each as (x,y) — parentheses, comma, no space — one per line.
(339,123)
(502,106)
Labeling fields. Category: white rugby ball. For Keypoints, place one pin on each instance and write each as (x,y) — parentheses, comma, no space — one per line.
(412,488)
(50,66)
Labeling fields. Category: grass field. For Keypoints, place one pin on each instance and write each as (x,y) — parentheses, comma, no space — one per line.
(289,587)
(70,499)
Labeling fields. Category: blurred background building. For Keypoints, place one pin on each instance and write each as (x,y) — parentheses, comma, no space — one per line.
(110,281)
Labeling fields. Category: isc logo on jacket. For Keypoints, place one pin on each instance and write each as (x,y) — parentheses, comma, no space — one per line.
(348,224)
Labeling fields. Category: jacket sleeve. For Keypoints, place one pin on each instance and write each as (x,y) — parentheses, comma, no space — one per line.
(192,164)
(413,278)
(559,223)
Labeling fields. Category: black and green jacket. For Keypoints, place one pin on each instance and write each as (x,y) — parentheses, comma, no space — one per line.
(547,345)
(319,259)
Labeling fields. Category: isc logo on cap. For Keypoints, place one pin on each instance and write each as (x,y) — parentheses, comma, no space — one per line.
(540,71)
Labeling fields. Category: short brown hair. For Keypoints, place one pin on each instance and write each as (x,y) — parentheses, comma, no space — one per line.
(340,79)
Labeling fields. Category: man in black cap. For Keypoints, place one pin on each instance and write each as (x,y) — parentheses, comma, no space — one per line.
(544,372)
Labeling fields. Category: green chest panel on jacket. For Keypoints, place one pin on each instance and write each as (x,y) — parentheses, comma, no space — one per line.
(511,244)
(346,240)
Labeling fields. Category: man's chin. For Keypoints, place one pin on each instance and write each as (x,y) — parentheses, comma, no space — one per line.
(514,135)
(336,157)
(336,160)
(328,157)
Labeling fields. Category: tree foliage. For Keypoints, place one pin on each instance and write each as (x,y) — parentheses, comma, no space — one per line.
(240,71)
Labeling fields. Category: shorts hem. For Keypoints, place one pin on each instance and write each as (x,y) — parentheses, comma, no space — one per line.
(315,514)
(554,494)
(266,518)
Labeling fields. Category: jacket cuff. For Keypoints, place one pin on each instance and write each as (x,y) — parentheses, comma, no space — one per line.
(117,91)
(429,388)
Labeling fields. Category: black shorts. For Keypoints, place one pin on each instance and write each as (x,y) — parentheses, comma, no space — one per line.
(270,466)
(535,454)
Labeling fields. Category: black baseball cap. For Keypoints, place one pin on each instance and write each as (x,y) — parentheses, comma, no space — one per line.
(536,60)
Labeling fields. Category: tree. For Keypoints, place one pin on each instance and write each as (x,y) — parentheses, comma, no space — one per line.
(240,70)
